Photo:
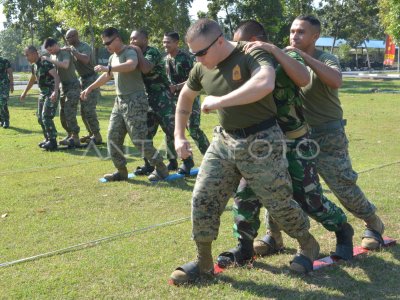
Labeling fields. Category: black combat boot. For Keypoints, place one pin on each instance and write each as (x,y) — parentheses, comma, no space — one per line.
(146,169)
(241,255)
(186,166)
(50,145)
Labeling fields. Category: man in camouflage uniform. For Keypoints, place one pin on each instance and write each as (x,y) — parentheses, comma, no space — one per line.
(307,190)
(6,86)
(161,105)
(69,98)
(178,65)
(48,81)
(248,144)
(84,63)
(130,109)
(324,114)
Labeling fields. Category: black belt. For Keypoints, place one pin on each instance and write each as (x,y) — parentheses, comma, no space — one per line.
(245,132)
(88,75)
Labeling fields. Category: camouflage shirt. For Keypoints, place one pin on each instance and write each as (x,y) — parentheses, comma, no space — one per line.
(45,81)
(287,99)
(156,80)
(4,65)
(178,67)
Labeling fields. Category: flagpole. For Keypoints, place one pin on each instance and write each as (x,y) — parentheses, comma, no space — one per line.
(398,58)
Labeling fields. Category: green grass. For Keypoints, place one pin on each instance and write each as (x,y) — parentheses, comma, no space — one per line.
(54,200)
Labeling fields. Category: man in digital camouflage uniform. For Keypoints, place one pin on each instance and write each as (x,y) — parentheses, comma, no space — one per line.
(69,98)
(178,65)
(83,59)
(307,190)
(248,144)
(324,115)
(48,81)
(6,86)
(161,103)
(129,114)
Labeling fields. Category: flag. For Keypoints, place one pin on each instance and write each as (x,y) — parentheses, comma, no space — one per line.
(390,51)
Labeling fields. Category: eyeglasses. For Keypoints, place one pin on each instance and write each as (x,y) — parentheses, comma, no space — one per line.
(109,42)
(204,51)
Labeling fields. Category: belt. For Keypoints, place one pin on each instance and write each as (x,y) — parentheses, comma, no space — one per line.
(337,124)
(295,134)
(88,75)
(245,132)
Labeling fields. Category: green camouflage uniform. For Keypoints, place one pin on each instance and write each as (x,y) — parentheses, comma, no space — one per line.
(307,190)
(178,69)
(87,77)
(4,90)
(248,144)
(161,104)
(46,108)
(129,114)
(70,93)
(323,112)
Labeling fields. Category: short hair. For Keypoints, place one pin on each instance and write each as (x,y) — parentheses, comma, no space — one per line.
(173,35)
(49,42)
(312,20)
(110,32)
(142,32)
(31,49)
(252,28)
(202,27)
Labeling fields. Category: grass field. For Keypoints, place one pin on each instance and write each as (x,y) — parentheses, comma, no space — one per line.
(51,201)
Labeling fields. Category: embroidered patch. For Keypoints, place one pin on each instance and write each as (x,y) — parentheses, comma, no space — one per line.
(236,75)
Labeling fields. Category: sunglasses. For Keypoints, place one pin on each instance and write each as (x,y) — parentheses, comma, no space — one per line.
(109,42)
(204,51)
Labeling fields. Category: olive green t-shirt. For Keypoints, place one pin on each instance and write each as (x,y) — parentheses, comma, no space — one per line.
(321,102)
(126,82)
(81,68)
(66,75)
(229,75)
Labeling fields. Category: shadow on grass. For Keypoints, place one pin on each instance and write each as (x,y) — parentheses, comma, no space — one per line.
(367,87)
(180,184)
(20,131)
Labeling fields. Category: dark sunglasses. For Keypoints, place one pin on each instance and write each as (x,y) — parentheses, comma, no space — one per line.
(204,51)
(110,41)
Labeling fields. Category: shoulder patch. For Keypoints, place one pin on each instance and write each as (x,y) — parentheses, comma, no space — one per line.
(236,74)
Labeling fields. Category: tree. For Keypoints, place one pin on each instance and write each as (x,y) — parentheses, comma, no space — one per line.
(389,14)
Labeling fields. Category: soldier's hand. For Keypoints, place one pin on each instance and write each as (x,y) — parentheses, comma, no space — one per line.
(53,97)
(209,104)
(85,94)
(66,48)
(22,98)
(100,68)
(12,88)
(43,58)
(183,148)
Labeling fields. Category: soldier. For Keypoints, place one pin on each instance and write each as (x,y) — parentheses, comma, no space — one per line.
(248,144)
(178,65)
(161,105)
(6,86)
(48,80)
(84,63)
(307,190)
(324,114)
(69,98)
(130,108)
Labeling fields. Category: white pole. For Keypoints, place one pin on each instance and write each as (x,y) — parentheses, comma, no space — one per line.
(398,58)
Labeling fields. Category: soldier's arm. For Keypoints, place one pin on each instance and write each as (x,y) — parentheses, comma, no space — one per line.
(27,88)
(98,83)
(261,83)
(64,64)
(11,79)
(53,73)
(328,75)
(81,57)
(144,64)
(183,111)
(124,67)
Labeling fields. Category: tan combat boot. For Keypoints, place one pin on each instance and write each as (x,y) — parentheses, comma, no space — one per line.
(160,172)
(120,175)
(271,243)
(85,139)
(372,238)
(192,271)
(308,251)
(97,138)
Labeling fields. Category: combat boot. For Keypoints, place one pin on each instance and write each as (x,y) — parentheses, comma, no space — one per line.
(271,243)
(146,169)
(120,175)
(186,166)
(74,141)
(308,251)
(172,165)
(160,172)
(6,124)
(372,237)
(97,138)
(192,271)
(85,139)
(43,142)
(344,242)
(50,145)
(65,141)
(241,255)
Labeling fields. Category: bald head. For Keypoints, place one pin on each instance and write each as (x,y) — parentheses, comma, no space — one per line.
(204,28)
(72,37)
